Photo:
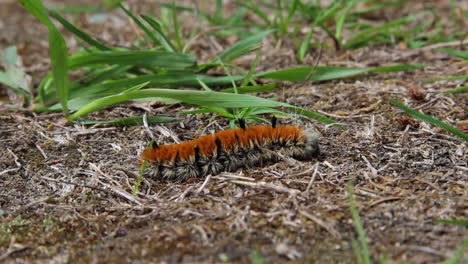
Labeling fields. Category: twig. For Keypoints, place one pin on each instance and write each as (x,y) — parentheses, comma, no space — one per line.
(10,249)
(31,204)
(93,131)
(282,157)
(314,68)
(312,179)
(202,233)
(8,170)
(16,158)
(73,183)
(128,172)
(365,193)
(268,186)
(41,150)
(122,193)
(383,200)
(203,185)
(228,175)
(446,44)
(364,109)
(327,227)
(145,125)
(371,168)
(114,189)
(427,250)
(182,196)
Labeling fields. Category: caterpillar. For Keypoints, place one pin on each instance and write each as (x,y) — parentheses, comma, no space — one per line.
(229,150)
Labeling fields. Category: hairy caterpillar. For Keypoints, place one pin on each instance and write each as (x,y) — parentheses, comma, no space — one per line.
(229,150)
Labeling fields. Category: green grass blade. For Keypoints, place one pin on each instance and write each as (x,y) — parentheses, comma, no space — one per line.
(200,98)
(218,17)
(141,174)
(79,33)
(456,53)
(318,19)
(249,77)
(450,78)
(94,79)
(233,82)
(43,88)
(165,42)
(341,19)
(364,247)
(204,86)
(179,7)
(256,257)
(135,88)
(237,20)
(102,75)
(323,73)
(111,4)
(256,10)
(205,110)
(78,9)
(58,55)
(242,47)
(217,110)
(57,50)
(357,251)
(429,119)
(252,89)
(263,110)
(368,34)
(284,23)
(457,257)
(163,59)
(132,121)
(9,55)
(304,48)
(398,67)
(172,80)
(314,115)
(14,77)
(137,21)
(453,222)
(458,90)
(175,24)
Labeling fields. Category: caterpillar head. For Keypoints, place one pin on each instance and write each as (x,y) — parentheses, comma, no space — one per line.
(311,147)
(308,147)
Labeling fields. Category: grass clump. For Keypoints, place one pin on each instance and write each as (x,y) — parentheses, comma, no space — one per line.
(110,71)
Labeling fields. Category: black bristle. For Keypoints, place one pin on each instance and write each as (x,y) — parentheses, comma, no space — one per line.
(241,123)
(273,121)
(197,154)
(153,144)
(219,145)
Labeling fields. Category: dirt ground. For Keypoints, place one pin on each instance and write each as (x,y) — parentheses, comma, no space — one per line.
(65,189)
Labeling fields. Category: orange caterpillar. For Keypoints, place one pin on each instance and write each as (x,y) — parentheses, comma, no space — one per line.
(229,150)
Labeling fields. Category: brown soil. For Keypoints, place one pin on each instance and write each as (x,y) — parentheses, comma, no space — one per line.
(65,190)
